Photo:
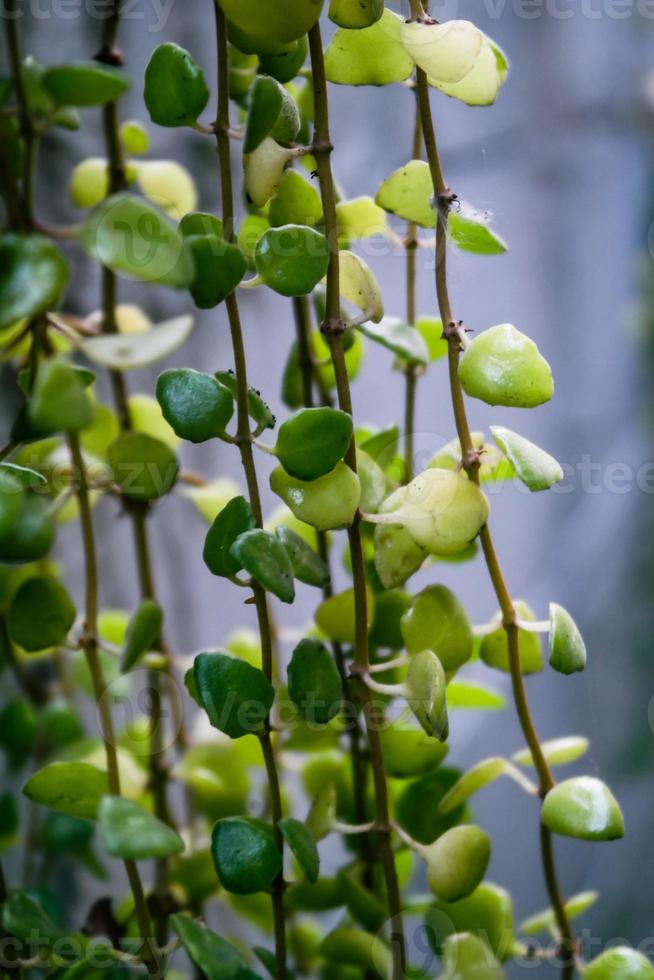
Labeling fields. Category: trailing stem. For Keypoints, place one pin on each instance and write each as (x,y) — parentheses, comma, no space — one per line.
(244,439)
(333,328)
(412,372)
(471,462)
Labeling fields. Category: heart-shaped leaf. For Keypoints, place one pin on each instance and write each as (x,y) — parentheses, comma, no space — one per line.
(195,405)
(330,502)
(219,267)
(504,367)
(41,614)
(143,631)
(245,855)
(234,519)
(292,259)
(404,341)
(131,832)
(236,696)
(295,202)
(84,83)
(314,684)
(372,56)
(583,807)
(75,788)
(408,193)
(310,444)
(488,913)
(264,556)
(213,955)
(175,90)
(308,567)
(409,752)
(302,845)
(272,112)
(436,620)
(469,231)
(360,217)
(536,468)
(127,352)
(58,401)
(33,274)
(31,536)
(143,467)
(446,52)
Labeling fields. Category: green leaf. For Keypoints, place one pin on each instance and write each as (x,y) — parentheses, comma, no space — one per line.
(285,64)
(135,239)
(356,948)
(430,329)
(396,336)
(134,136)
(33,275)
(536,468)
(296,201)
(567,647)
(330,502)
(58,401)
(310,444)
(84,83)
(261,29)
(292,259)
(130,832)
(314,684)
(360,218)
(504,367)
(128,352)
(471,234)
(143,467)
(467,957)
(245,855)
(41,614)
(75,788)
(360,287)
(480,776)
(24,918)
(175,90)
(12,500)
(355,14)
(18,727)
(264,556)
(619,963)
(201,223)
(487,913)
(236,696)
(216,958)
(467,694)
(583,807)
(143,632)
(425,693)
(219,268)
(264,169)
(494,647)
(336,616)
(408,193)
(302,845)
(272,112)
(409,752)
(436,620)
(31,537)
(195,405)
(233,520)
(457,862)
(308,567)
(557,751)
(257,408)
(545,921)
(372,56)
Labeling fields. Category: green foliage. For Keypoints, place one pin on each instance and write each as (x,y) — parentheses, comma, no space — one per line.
(41,614)
(264,556)
(314,684)
(310,444)
(236,696)
(84,84)
(143,632)
(292,259)
(144,468)
(583,807)
(246,857)
(32,277)
(175,91)
(457,862)
(74,788)
(195,405)
(233,520)
(128,831)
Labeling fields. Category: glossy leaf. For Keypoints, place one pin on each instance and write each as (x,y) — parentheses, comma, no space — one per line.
(404,341)
(330,502)
(425,693)
(292,259)
(409,752)
(357,948)
(133,238)
(308,567)
(583,807)
(355,14)
(84,83)
(134,136)
(619,963)
(236,696)
(214,956)
(536,468)
(245,855)
(266,29)
(310,444)
(31,537)
(264,556)
(372,56)
(272,112)
(480,776)
(33,275)
(201,223)
(314,684)
(397,555)
(437,621)
(143,467)
(504,367)
(487,913)
(143,632)
(175,90)
(567,647)
(75,788)
(130,832)
(233,520)
(494,648)
(467,957)
(219,268)
(285,64)
(122,352)
(457,862)
(302,845)
(335,616)
(296,201)
(408,193)
(557,751)
(194,404)
(41,614)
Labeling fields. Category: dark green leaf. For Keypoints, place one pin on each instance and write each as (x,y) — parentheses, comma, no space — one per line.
(32,535)
(310,444)
(84,83)
(58,401)
(264,556)
(233,520)
(201,223)
(143,467)
(143,631)
(130,832)
(196,405)
(219,267)
(33,274)
(216,958)
(308,567)
(302,845)
(245,855)
(24,918)
(314,684)
(175,90)
(292,259)
(18,727)
(236,696)
(41,614)
(286,64)
(272,112)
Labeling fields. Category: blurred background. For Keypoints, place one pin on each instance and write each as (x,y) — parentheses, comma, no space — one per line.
(564,164)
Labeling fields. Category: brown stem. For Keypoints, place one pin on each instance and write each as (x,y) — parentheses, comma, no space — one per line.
(411,373)
(244,439)
(471,464)
(333,330)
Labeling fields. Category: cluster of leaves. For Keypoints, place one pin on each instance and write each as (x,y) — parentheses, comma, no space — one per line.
(330,475)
